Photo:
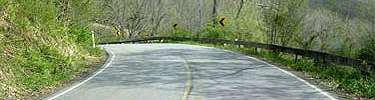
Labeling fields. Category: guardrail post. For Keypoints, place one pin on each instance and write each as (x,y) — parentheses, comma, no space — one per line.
(296,59)
(364,68)
(93,38)
(275,50)
(326,61)
(239,45)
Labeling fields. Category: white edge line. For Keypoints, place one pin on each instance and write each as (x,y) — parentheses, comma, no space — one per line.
(79,84)
(298,78)
(286,72)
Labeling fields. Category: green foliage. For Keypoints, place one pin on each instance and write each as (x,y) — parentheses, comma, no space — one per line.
(246,29)
(368,52)
(348,8)
(211,31)
(283,20)
(80,35)
(43,46)
(42,64)
(179,33)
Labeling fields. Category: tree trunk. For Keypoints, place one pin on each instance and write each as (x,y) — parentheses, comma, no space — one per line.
(215,11)
(240,9)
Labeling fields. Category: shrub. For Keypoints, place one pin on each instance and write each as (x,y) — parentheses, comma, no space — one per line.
(368,52)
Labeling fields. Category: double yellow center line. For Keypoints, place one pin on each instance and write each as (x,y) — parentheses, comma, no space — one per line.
(188,82)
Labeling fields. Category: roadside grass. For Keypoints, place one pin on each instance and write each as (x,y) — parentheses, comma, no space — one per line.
(36,57)
(32,69)
(41,50)
(340,79)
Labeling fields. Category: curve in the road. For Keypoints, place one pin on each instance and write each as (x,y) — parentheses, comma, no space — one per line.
(298,78)
(111,56)
(156,72)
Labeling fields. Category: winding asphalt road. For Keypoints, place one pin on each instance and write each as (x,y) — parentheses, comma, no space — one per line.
(187,72)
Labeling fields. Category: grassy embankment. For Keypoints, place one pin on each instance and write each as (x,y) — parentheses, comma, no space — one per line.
(43,44)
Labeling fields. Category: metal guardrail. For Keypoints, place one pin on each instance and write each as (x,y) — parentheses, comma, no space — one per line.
(135,40)
(320,56)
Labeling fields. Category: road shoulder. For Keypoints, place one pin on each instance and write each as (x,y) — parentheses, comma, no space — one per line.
(326,88)
(63,86)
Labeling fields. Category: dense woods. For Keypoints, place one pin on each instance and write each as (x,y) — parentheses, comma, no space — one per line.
(38,36)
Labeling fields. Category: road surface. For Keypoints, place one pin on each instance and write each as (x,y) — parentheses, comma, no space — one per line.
(187,72)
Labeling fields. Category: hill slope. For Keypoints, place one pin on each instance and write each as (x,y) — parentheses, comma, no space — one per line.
(42,43)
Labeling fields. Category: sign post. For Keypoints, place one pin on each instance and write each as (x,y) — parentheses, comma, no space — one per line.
(222,24)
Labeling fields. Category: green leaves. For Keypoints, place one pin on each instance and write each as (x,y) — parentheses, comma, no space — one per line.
(368,52)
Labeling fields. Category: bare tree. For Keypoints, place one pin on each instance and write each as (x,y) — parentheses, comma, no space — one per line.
(215,11)
(240,9)
(283,19)
(157,15)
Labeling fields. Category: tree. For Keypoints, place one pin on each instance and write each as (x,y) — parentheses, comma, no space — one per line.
(125,15)
(215,11)
(240,8)
(282,19)
(157,15)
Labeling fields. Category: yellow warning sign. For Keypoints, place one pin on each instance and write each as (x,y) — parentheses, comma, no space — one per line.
(175,26)
(117,33)
(222,21)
